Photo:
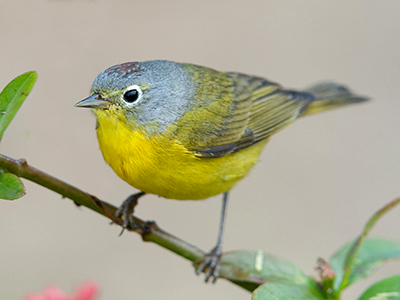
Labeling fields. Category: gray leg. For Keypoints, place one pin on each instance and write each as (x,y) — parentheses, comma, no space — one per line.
(211,262)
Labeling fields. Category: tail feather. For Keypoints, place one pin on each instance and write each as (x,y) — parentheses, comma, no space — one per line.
(330,95)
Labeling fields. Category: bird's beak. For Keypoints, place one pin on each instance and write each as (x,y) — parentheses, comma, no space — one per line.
(94,101)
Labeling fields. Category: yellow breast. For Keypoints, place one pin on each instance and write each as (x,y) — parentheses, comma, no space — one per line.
(162,166)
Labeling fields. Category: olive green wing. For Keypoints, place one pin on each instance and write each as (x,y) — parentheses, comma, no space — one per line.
(218,114)
(273,111)
(269,109)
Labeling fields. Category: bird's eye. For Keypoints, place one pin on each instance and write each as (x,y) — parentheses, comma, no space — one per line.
(132,95)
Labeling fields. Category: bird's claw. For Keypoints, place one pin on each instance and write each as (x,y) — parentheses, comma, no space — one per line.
(126,212)
(211,264)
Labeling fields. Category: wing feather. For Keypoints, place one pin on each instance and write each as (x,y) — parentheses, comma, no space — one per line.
(259,109)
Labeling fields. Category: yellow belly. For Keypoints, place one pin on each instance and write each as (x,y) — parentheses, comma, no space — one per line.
(162,166)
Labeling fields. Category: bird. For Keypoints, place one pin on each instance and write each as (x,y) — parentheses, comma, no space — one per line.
(187,132)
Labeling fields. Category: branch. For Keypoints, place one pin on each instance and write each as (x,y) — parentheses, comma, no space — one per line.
(152,232)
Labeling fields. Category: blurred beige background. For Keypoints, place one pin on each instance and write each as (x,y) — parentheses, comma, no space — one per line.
(316,185)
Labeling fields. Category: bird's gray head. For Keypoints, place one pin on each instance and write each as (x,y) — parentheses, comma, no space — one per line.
(152,93)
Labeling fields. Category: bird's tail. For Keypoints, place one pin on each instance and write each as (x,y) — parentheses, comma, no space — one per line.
(330,95)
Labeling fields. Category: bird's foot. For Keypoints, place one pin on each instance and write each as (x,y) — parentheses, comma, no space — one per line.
(126,211)
(211,264)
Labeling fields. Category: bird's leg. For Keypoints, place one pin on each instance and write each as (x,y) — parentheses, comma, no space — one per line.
(126,210)
(211,262)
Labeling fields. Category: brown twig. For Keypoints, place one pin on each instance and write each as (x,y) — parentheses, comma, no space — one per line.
(152,232)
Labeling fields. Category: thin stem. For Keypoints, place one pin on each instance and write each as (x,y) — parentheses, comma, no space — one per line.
(352,255)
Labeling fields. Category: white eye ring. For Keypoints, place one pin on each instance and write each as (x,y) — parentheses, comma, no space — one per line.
(132,95)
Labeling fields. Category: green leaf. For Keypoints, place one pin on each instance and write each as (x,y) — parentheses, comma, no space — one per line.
(372,254)
(11,187)
(12,97)
(387,289)
(253,268)
(278,291)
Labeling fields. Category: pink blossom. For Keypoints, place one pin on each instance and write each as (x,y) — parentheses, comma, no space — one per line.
(87,291)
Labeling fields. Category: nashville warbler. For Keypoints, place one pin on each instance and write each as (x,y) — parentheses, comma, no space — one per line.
(187,132)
